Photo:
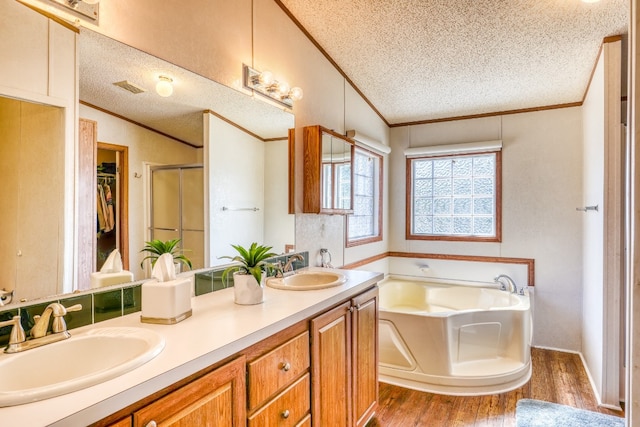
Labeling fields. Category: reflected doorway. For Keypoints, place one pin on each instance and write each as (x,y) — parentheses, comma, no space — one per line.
(112,225)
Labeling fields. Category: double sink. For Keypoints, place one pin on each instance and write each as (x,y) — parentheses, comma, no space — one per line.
(100,354)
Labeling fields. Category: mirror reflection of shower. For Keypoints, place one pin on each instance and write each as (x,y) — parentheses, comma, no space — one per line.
(177,208)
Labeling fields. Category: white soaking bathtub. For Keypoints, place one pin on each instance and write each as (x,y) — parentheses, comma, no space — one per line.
(453,339)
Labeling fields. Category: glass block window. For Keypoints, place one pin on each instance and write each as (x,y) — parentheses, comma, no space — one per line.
(364,225)
(454,197)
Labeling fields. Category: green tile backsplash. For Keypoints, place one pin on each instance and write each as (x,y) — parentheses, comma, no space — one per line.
(104,305)
(84,317)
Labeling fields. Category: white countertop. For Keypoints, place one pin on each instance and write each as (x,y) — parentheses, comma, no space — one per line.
(217,329)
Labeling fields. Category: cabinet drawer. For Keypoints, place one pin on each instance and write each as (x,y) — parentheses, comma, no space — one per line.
(305,422)
(286,409)
(276,369)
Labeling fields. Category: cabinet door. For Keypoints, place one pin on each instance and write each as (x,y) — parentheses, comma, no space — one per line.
(331,367)
(365,356)
(125,422)
(216,399)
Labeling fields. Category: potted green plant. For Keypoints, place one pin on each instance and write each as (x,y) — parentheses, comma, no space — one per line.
(249,275)
(157,247)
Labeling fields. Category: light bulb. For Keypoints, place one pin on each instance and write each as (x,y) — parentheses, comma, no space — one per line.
(295,93)
(266,77)
(164,86)
(283,88)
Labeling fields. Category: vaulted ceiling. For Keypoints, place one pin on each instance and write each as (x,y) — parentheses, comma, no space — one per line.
(413,60)
(417,60)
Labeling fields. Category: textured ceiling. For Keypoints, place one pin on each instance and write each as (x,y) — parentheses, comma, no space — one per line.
(428,59)
(104,61)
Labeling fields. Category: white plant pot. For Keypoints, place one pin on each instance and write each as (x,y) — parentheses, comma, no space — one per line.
(246,289)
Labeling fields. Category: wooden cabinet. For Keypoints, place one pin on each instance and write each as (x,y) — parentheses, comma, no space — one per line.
(364,327)
(279,384)
(345,362)
(125,422)
(322,370)
(328,172)
(215,399)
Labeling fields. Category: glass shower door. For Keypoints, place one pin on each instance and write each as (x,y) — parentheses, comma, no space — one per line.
(177,208)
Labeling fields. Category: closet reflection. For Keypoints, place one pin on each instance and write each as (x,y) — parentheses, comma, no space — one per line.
(107,206)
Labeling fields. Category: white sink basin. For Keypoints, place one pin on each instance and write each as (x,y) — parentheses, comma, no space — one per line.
(78,362)
(307,280)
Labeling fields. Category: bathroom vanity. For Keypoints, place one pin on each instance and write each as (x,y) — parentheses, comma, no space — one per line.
(266,364)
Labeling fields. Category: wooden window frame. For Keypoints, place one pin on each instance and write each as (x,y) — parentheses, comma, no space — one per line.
(498,201)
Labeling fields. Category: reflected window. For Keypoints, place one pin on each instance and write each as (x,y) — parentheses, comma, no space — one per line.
(365,224)
(336,176)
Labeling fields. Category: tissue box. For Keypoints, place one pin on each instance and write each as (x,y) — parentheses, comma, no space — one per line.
(99,280)
(166,303)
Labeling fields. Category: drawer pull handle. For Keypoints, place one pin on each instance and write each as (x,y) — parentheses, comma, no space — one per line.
(285,414)
(286,366)
(151,424)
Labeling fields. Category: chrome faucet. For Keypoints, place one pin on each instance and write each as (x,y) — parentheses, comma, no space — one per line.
(39,330)
(18,340)
(510,285)
(288,266)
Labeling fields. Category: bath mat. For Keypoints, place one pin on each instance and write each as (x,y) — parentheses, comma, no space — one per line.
(534,413)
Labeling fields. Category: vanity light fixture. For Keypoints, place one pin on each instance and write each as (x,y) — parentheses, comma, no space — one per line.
(590,1)
(89,9)
(265,84)
(164,87)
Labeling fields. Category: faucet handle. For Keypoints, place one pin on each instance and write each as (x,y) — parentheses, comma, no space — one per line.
(17,332)
(59,325)
(277,266)
(76,307)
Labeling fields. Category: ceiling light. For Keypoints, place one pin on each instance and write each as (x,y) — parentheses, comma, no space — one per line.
(265,84)
(164,87)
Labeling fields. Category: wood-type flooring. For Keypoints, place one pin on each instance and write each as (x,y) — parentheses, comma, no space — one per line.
(556,377)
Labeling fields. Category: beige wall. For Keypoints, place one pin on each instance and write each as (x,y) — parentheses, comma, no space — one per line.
(234,175)
(541,187)
(32,214)
(42,69)
(602,230)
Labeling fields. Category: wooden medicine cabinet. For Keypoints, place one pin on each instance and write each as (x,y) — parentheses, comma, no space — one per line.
(328,171)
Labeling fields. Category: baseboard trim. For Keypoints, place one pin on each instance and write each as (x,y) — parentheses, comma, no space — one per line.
(586,369)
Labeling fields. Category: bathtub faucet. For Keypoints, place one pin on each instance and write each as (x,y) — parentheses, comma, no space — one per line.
(510,284)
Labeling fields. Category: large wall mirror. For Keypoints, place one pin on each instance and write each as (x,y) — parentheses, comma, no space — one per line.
(142,133)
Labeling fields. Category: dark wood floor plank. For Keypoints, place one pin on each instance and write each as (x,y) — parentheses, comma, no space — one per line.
(557,377)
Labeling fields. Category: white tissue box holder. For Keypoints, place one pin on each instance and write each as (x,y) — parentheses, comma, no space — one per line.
(166,303)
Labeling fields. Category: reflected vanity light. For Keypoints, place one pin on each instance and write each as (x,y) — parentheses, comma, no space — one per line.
(265,84)
(87,8)
(164,87)
(74,3)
